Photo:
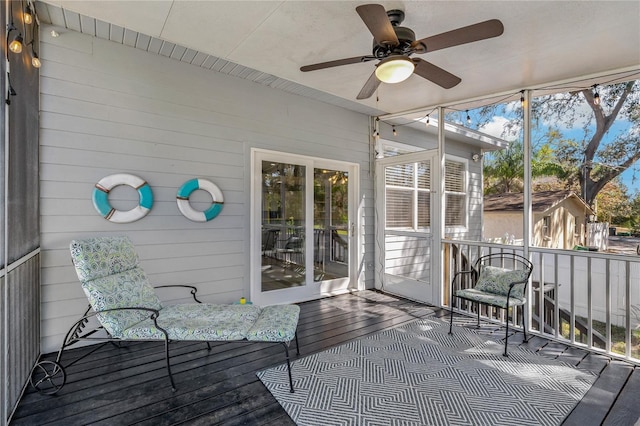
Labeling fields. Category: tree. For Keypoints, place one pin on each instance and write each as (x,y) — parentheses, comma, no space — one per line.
(603,159)
(603,151)
(504,169)
(613,206)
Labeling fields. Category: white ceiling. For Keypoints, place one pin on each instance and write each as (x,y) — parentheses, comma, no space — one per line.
(543,41)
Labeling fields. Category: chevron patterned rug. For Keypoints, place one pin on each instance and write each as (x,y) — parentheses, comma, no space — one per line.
(419,375)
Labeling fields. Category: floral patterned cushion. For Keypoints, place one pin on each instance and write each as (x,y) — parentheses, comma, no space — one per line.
(111,278)
(198,321)
(276,323)
(496,280)
(490,298)
(102,256)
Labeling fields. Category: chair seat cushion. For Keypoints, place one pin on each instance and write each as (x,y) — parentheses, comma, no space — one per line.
(276,323)
(198,321)
(476,295)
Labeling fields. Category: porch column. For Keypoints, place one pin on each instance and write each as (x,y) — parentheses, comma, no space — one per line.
(437,222)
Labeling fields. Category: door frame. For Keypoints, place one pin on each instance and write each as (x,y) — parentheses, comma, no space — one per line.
(380,233)
(311,290)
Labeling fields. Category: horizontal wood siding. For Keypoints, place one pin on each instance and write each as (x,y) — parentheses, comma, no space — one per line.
(108,108)
(408,256)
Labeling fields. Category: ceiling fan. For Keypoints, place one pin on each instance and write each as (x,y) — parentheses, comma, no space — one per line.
(394,45)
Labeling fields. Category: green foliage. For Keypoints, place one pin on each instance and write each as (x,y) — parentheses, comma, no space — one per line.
(504,169)
(584,144)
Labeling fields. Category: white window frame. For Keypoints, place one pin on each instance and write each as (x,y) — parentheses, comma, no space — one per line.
(415,190)
(465,184)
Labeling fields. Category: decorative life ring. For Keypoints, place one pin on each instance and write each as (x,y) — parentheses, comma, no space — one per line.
(184,192)
(107,183)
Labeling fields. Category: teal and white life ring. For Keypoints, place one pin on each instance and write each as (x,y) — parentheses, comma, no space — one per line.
(184,192)
(107,183)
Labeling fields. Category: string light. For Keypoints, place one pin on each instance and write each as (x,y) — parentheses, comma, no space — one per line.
(27,16)
(596,95)
(510,97)
(16,45)
(522,100)
(35,61)
(395,133)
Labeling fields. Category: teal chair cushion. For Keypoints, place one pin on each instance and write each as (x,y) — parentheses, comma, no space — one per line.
(198,321)
(490,298)
(277,323)
(111,278)
(102,256)
(496,280)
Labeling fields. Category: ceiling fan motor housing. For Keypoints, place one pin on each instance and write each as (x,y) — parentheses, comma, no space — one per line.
(405,35)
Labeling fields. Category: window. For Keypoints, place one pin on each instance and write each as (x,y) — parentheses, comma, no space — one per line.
(546,227)
(408,196)
(455,173)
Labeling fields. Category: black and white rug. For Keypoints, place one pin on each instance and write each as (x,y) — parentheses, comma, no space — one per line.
(419,375)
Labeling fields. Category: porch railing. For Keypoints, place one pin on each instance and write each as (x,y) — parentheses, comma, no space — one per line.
(587,299)
(285,242)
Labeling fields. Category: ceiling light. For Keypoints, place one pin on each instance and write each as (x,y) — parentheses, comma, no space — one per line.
(394,69)
(54,33)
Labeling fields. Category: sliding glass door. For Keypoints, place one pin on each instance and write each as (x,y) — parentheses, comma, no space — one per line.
(303,233)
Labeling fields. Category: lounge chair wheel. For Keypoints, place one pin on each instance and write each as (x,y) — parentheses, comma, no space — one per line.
(48,377)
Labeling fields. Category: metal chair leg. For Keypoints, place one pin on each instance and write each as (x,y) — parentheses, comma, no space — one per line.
(286,351)
(451,319)
(166,351)
(524,326)
(478,310)
(506,336)
(297,344)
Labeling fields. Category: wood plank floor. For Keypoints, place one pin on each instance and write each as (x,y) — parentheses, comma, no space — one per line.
(121,386)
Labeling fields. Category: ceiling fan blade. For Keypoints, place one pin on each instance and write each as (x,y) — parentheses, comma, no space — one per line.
(468,34)
(435,74)
(337,63)
(369,87)
(376,19)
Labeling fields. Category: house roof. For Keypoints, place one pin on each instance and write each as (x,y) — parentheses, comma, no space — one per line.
(540,201)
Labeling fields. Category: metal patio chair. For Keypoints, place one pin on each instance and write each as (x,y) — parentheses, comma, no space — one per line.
(499,280)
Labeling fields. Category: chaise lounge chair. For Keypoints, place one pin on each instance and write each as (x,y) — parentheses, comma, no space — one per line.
(127,309)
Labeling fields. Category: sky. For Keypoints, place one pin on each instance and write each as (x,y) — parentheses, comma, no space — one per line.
(496,127)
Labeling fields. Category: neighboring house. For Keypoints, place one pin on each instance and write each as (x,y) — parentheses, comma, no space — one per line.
(559,218)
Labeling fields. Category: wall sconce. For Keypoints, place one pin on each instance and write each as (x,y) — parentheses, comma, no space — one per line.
(476,157)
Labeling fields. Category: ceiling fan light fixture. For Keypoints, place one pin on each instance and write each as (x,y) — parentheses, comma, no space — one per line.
(394,69)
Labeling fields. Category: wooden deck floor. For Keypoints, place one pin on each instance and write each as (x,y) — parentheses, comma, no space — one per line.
(119,386)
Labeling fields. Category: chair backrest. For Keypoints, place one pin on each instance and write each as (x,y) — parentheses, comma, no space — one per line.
(269,239)
(498,270)
(111,277)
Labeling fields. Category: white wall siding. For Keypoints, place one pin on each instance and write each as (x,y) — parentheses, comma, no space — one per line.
(108,108)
